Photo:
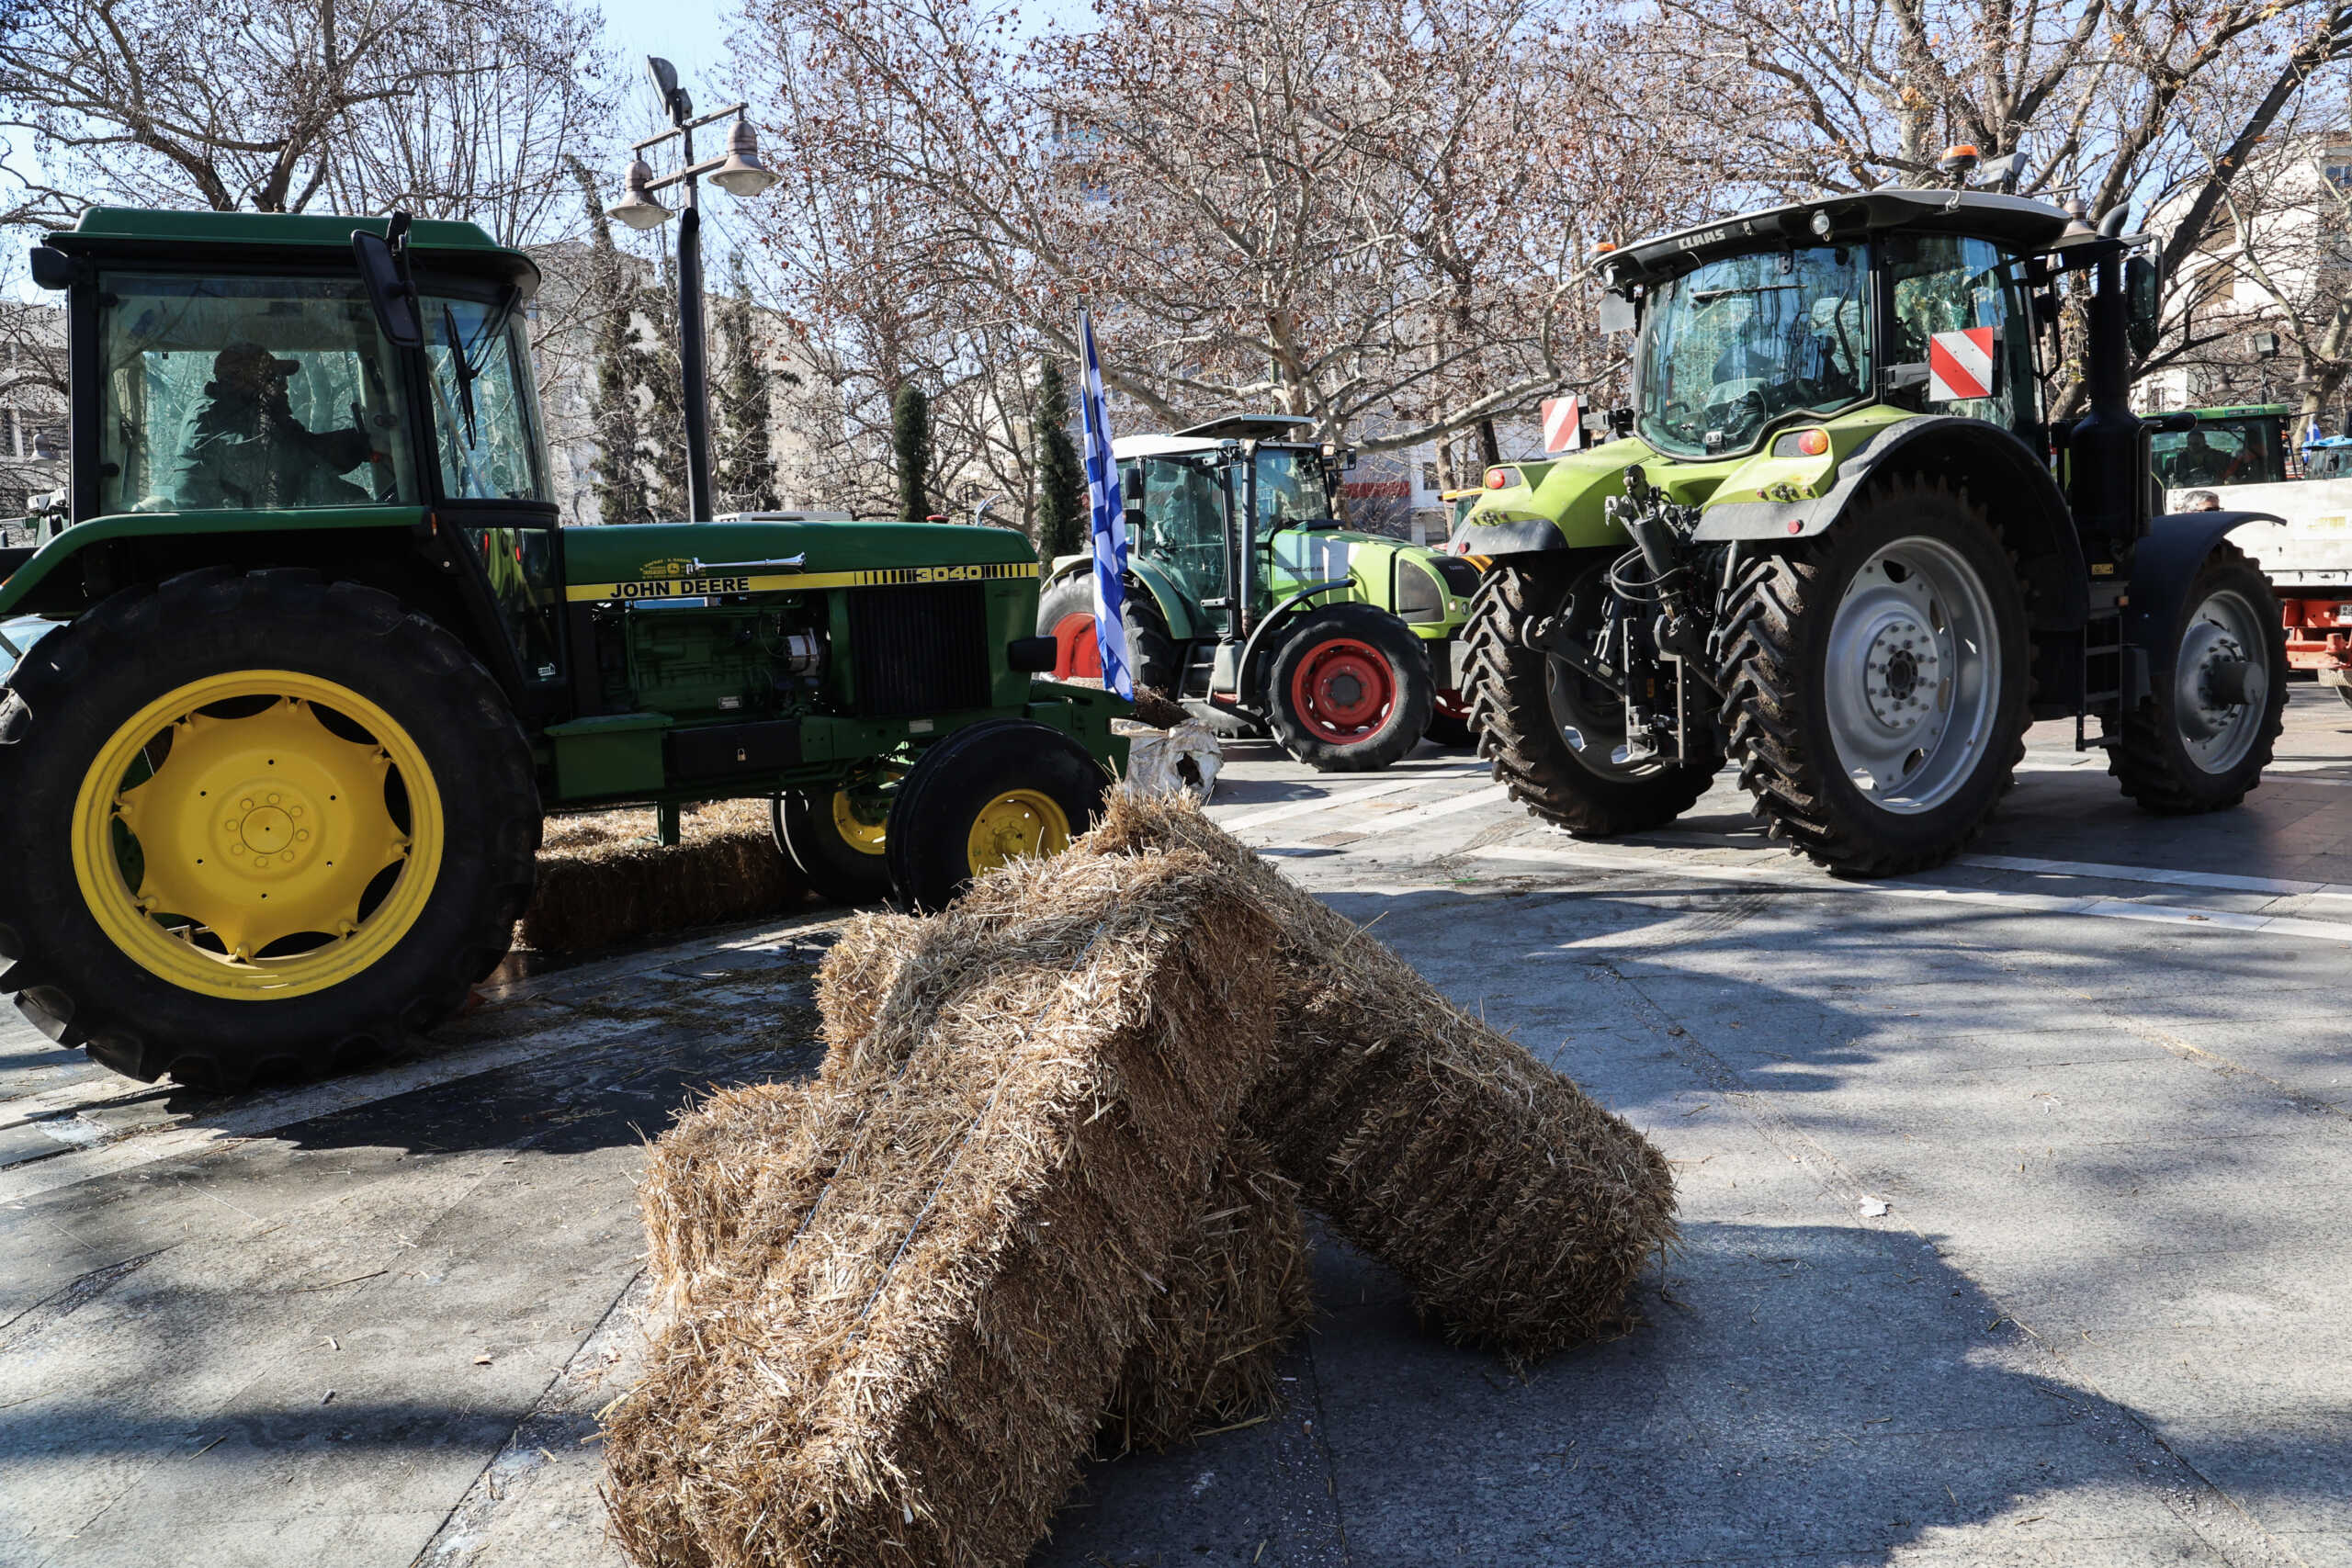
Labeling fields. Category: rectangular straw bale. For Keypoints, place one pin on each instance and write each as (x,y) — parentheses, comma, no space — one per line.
(601,880)
(1238,1290)
(1236,1287)
(906,1368)
(1517,1210)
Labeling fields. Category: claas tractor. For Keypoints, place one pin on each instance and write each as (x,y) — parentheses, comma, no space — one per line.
(1838,538)
(1252,605)
(322,656)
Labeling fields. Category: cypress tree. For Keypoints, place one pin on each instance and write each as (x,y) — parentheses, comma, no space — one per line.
(619,478)
(746,475)
(1061,483)
(910,440)
(665,413)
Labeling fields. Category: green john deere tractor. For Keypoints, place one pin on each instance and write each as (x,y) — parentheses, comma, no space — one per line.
(275,784)
(1248,602)
(1839,539)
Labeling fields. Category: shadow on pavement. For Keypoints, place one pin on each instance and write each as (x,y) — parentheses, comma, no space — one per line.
(1805,1392)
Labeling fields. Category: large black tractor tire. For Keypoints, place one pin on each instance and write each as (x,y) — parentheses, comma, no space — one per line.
(1450,724)
(1350,690)
(182,752)
(999,790)
(1893,646)
(845,863)
(1066,613)
(2201,744)
(1550,734)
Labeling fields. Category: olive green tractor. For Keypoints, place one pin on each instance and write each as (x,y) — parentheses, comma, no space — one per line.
(1839,539)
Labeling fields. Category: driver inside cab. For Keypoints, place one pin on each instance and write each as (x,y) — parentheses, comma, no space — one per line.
(2199,464)
(242,446)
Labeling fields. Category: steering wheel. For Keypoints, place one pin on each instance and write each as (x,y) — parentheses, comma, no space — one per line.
(1747,409)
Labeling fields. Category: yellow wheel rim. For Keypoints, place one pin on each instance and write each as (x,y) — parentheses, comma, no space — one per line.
(864,836)
(240,843)
(1017,823)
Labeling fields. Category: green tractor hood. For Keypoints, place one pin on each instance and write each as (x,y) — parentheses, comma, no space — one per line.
(665,560)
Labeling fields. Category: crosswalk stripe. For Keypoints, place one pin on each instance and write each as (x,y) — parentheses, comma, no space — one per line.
(2097,906)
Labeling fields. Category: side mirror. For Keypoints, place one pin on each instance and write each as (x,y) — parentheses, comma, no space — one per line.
(385,271)
(51,268)
(1617,315)
(2143,298)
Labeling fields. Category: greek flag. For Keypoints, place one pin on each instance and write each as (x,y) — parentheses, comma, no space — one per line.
(1108,521)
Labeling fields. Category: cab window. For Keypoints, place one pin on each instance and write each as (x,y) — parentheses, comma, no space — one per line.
(1290,489)
(2221,451)
(486,422)
(1947,283)
(253,393)
(1182,500)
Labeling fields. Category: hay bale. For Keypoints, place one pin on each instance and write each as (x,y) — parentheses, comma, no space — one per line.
(906,1366)
(601,879)
(1517,1210)
(1237,1286)
(1238,1292)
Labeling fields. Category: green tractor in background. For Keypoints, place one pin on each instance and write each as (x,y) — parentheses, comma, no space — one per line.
(1248,602)
(320,656)
(1838,539)
(2244,445)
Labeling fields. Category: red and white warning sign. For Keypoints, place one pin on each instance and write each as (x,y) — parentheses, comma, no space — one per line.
(1560,423)
(1960,364)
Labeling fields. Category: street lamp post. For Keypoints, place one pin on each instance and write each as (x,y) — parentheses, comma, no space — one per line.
(739,174)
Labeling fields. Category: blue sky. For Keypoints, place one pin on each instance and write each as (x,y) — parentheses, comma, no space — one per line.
(687,33)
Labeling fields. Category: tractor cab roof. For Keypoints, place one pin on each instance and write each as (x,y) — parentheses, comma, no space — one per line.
(1252,427)
(2014,221)
(259,240)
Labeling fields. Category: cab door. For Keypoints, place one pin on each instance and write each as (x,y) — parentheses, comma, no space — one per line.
(490,474)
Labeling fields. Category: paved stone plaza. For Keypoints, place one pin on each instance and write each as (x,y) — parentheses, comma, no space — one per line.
(2013,1203)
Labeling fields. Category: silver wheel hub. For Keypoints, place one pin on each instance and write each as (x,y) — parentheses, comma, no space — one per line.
(2221,686)
(1911,685)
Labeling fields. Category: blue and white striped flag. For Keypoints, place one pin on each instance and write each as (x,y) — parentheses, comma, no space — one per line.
(1107,521)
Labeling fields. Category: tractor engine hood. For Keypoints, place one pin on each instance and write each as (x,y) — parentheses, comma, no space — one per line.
(667,561)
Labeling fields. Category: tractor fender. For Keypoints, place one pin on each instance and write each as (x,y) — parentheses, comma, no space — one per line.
(1262,639)
(2164,564)
(1152,577)
(1990,462)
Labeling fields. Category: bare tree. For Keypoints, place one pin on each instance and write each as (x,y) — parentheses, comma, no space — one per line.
(2153,103)
(1366,211)
(453,107)
(2276,268)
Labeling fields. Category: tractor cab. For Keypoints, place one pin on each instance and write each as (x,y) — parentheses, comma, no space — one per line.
(236,373)
(1231,508)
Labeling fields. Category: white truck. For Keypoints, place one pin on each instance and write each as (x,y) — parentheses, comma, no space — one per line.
(2237,459)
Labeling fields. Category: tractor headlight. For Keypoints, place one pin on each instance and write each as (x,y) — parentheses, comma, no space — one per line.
(1418,596)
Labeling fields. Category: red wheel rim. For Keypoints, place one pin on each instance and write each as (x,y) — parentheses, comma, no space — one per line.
(1451,704)
(1343,690)
(1076,651)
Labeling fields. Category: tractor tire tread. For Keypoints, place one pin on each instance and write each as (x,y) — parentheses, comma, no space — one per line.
(1510,713)
(1761,655)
